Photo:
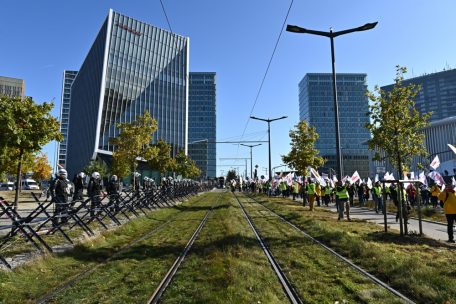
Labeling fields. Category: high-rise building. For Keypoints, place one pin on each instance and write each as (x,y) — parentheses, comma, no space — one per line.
(11,87)
(437,94)
(130,68)
(202,122)
(316,105)
(68,78)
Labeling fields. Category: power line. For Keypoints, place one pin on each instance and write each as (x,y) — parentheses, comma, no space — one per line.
(267,68)
(167,20)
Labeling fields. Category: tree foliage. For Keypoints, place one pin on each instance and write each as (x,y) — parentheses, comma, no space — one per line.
(133,143)
(185,166)
(26,128)
(303,153)
(41,168)
(396,125)
(231,175)
(163,161)
(96,166)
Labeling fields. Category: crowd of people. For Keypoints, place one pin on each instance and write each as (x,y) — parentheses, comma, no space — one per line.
(345,194)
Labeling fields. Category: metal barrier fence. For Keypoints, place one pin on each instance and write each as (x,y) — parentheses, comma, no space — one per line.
(56,217)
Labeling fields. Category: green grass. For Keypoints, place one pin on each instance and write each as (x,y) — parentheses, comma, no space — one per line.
(29,282)
(310,268)
(421,268)
(225,264)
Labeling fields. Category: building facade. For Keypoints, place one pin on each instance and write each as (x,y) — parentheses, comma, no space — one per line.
(316,105)
(68,78)
(202,122)
(132,67)
(11,87)
(437,94)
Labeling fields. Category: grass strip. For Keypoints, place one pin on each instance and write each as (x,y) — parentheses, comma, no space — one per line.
(318,276)
(133,276)
(31,281)
(421,268)
(226,264)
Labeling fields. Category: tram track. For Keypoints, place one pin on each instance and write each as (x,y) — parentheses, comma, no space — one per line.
(156,296)
(359,269)
(89,270)
(289,289)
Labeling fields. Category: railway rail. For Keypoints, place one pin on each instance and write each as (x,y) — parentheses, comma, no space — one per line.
(362,271)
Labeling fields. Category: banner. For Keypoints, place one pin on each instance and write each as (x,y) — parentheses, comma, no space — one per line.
(437,177)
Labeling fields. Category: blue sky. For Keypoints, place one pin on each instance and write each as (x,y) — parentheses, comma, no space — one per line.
(235,38)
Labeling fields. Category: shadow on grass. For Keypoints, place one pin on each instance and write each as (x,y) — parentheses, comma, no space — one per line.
(410,239)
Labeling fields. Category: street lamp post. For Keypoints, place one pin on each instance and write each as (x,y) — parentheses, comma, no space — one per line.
(269,136)
(331,35)
(251,159)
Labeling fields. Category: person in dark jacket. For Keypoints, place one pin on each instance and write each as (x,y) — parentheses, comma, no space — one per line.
(94,192)
(61,192)
(78,182)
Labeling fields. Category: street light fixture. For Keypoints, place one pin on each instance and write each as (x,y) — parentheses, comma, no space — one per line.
(269,137)
(251,159)
(331,35)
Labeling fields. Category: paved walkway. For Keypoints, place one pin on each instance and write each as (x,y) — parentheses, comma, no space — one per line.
(431,230)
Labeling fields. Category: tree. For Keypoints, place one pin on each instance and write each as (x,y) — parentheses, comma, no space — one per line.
(396,125)
(96,166)
(303,153)
(163,161)
(231,175)
(133,143)
(185,166)
(41,168)
(26,127)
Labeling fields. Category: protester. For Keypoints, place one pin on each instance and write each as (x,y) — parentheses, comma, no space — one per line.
(448,197)
(435,192)
(342,200)
(311,193)
(377,196)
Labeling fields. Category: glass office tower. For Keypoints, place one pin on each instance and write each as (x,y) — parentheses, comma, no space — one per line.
(68,78)
(202,122)
(130,68)
(437,94)
(316,105)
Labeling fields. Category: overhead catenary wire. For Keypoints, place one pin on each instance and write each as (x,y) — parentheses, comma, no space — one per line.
(166,16)
(267,68)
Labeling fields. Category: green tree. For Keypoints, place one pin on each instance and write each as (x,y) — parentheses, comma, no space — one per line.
(303,153)
(96,166)
(26,128)
(396,125)
(134,143)
(231,175)
(163,161)
(185,166)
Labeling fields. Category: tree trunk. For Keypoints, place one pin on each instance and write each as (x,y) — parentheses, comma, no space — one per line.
(18,179)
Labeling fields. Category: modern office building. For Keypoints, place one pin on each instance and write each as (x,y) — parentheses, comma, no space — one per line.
(437,94)
(130,68)
(11,87)
(202,122)
(68,78)
(316,105)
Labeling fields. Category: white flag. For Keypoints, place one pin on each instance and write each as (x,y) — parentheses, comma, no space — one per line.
(453,148)
(435,163)
(412,175)
(335,179)
(355,177)
(369,183)
(315,173)
(423,178)
(453,181)
(376,178)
